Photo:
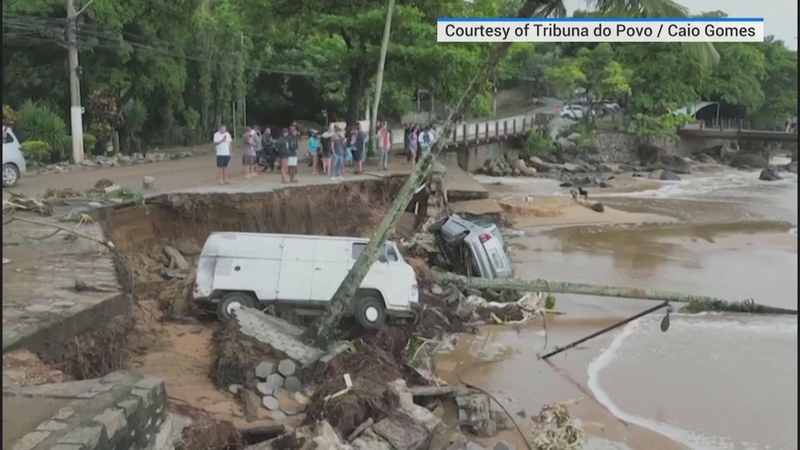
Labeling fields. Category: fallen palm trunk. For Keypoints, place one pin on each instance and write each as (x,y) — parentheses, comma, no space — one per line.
(696,303)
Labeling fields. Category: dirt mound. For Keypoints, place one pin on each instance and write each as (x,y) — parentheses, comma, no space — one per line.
(97,352)
(235,358)
(212,435)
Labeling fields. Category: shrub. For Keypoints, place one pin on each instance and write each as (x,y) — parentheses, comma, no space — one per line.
(36,121)
(89,143)
(36,151)
(9,115)
(537,144)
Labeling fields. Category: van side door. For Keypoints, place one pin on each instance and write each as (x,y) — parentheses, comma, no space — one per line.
(297,269)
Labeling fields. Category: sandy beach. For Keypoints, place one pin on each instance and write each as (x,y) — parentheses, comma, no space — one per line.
(713,381)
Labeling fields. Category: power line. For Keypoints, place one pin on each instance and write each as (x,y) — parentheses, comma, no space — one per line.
(36,28)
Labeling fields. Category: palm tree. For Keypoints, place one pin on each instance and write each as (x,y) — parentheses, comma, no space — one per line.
(320,332)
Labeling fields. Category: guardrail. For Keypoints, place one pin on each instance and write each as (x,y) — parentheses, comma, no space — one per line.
(482,132)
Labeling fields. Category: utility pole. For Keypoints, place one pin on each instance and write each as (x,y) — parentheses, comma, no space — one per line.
(75,110)
(379,79)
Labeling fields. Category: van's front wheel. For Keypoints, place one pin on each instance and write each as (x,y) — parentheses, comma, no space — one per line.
(230,302)
(370,313)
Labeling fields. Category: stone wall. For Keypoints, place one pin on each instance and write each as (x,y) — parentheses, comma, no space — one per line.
(616,146)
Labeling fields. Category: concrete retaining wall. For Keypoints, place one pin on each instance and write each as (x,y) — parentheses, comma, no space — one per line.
(121,411)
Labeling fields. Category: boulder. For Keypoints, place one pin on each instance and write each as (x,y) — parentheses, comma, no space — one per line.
(748,160)
(528,171)
(666,175)
(791,167)
(573,168)
(769,174)
(538,164)
(707,159)
(672,163)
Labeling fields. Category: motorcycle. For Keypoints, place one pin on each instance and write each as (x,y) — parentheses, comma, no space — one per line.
(267,157)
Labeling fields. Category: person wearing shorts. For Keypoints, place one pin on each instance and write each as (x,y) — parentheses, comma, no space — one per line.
(294,137)
(249,152)
(326,151)
(222,145)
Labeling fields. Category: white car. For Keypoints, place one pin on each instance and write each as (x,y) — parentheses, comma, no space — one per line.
(572,112)
(13,159)
(610,106)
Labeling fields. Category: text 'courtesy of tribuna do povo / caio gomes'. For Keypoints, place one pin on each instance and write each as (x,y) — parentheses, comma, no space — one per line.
(601,30)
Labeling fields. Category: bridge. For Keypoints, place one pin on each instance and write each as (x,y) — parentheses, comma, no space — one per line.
(482,132)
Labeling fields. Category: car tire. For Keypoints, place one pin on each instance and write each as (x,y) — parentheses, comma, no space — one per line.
(229,302)
(370,313)
(10,175)
(436,226)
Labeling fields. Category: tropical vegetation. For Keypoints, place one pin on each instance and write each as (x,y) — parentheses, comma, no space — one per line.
(160,73)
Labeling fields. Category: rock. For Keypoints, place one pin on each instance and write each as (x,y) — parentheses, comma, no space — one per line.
(528,171)
(605,168)
(274,380)
(288,405)
(597,207)
(251,402)
(475,413)
(436,289)
(264,369)
(368,440)
(565,144)
(113,188)
(628,168)
(791,167)
(769,174)
(519,164)
(538,164)
(265,388)
(567,184)
(402,432)
(147,183)
(574,137)
(573,168)
(707,159)
(235,388)
(176,258)
(270,402)
(287,367)
(666,175)
(326,437)
(502,445)
(187,247)
(672,163)
(748,160)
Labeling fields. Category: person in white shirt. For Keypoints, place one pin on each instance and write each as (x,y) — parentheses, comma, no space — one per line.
(222,143)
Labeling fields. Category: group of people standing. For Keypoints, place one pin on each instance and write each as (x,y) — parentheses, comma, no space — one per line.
(330,152)
(418,141)
(282,150)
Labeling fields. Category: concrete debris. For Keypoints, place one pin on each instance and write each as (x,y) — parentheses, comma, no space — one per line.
(264,369)
(287,367)
(292,384)
(327,439)
(270,402)
(176,258)
(474,413)
(265,388)
(402,432)
(275,380)
(360,429)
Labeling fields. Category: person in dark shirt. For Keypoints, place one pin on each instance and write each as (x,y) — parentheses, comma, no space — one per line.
(282,148)
(294,143)
(326,151)
(359,141)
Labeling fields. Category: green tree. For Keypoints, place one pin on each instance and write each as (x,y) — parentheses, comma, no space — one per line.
(738,77)
(779,85)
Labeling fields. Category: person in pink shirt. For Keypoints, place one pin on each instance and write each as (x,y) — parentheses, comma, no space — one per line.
(385,144)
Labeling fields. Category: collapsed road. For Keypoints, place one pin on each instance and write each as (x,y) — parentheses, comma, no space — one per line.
(347,394)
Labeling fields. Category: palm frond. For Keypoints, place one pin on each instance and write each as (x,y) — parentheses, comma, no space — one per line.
(703,51)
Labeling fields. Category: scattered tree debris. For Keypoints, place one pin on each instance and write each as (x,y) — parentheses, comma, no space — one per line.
(554,429)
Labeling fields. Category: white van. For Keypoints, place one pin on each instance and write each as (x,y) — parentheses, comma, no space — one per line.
(303,273)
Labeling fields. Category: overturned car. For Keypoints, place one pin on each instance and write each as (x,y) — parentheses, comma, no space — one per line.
(473,247)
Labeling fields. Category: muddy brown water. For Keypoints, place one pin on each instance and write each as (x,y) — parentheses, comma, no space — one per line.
(713,381)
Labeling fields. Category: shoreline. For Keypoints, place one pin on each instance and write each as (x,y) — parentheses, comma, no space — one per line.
(722,229)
